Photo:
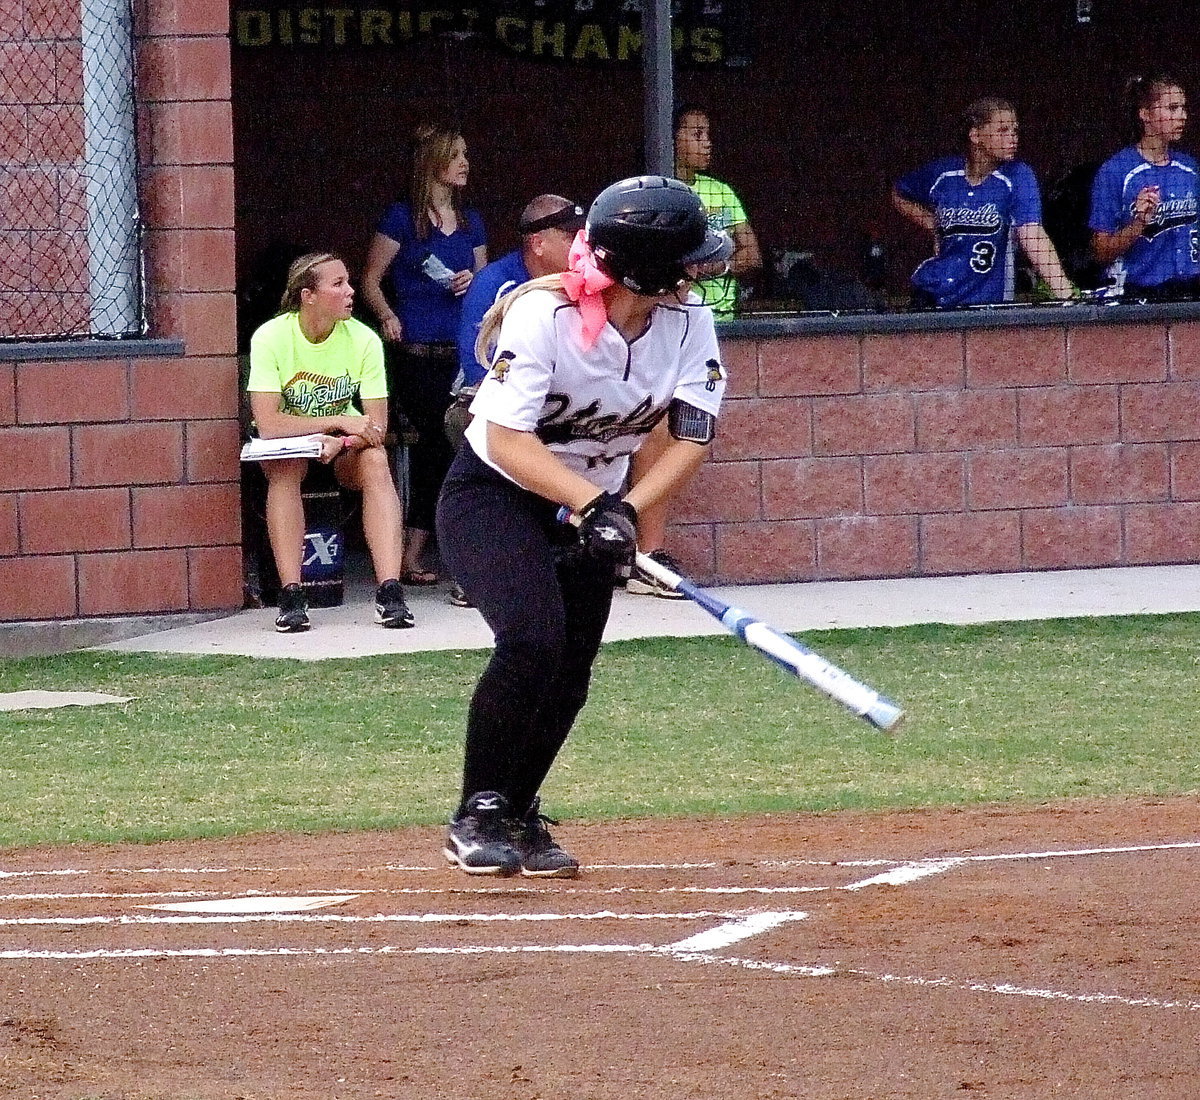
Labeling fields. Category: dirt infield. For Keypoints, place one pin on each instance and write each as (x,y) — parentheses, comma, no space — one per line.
(991,952)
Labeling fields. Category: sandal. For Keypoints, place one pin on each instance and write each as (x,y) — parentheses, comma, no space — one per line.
(419,578)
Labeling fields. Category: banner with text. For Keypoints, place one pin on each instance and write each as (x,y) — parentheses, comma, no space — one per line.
(593,32)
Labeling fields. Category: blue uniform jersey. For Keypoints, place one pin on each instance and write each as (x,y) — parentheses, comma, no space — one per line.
(974,263)
(427,310)
(1168,248)
(488,287)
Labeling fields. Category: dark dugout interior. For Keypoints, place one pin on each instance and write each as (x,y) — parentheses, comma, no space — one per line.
(817,107)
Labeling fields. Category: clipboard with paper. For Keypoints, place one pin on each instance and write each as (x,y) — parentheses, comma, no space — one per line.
(296,446)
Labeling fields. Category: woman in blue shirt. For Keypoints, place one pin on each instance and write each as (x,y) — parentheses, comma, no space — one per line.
(1144,199)
(429,249)
(974,203)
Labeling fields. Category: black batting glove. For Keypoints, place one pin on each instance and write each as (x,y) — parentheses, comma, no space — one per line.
(608,531)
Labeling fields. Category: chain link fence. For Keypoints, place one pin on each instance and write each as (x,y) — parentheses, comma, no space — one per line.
(70,263)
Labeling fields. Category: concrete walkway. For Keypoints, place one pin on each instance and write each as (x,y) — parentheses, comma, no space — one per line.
(349,631)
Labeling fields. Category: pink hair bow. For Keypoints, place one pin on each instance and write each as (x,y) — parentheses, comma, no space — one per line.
(583,281)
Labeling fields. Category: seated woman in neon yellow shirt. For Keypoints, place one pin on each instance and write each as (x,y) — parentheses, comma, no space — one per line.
(312,367)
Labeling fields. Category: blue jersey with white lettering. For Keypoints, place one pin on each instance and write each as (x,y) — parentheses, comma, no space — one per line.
(974,262)
(1168,248)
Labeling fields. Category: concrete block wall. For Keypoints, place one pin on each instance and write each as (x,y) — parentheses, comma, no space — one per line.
(121,494)
(849,456)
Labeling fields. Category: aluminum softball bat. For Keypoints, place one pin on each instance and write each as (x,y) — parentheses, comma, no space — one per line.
(786,652)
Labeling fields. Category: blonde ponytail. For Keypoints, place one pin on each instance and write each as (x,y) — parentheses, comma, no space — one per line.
(303,275)
(489,327)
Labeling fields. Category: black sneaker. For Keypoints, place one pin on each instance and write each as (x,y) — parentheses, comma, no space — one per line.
(480,842)
(540,856)
(642,584)
(293,610)
(390,609)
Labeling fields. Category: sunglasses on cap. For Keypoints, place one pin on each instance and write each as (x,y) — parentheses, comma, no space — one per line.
(570,218)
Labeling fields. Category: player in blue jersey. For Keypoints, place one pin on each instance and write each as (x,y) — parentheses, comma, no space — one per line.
(1144,200)
(974,203)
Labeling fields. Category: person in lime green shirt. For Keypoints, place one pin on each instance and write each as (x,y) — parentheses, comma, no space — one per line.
(693,154)
(312,367)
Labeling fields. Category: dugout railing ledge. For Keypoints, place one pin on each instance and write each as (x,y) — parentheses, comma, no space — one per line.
(822,323)
(48,351)
(1021,438)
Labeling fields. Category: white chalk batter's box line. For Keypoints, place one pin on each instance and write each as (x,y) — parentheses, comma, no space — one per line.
(700,948)
(948,860)
(426,868)
(695,949)
(137,919)
(901,873)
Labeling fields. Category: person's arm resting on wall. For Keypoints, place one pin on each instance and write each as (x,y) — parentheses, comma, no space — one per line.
(1037,245)
(919,215)
(747,256)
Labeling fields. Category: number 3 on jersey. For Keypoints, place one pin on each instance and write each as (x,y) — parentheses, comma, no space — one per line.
(983,255)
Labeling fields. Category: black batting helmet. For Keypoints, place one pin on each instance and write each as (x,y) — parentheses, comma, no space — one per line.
(646,230)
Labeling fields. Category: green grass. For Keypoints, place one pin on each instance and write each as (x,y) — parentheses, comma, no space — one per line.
(214,746)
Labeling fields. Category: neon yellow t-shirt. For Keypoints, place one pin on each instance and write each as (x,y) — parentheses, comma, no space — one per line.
(325,379)
(724,211)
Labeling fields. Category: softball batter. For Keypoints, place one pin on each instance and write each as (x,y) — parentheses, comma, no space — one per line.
(583,366)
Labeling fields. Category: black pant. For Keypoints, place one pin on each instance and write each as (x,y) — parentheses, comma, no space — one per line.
(547,605)
(420,388)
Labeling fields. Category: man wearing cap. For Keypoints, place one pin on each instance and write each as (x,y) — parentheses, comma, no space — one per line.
(548,226)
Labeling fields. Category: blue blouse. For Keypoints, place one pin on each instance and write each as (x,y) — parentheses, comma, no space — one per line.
(429,313)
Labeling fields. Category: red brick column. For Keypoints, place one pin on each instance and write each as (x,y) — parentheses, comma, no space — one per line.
(124,495)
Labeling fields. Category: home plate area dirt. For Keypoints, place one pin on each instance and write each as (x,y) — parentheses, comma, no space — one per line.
(994,952)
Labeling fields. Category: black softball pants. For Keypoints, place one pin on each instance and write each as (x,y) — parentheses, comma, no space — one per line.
(547,605)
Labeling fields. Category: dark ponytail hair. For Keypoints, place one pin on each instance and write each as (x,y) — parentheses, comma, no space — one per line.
(1138,94)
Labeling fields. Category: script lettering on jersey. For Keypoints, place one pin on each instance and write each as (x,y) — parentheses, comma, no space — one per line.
(562,424)
(307,394)
(1170,214)
(981,221)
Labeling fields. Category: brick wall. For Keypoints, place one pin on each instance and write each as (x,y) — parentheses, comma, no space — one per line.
(120,495)
(839,456)
(951,452)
